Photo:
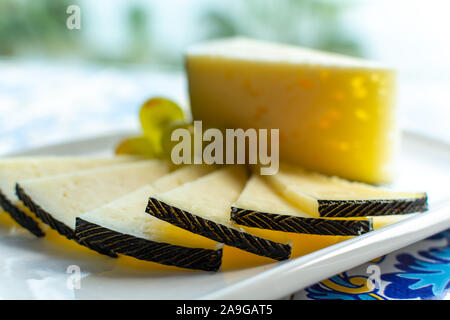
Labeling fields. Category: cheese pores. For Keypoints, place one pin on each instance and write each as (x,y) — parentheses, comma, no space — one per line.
(335,114)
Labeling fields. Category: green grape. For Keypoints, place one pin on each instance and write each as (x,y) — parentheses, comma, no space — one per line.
(168,144)
(156,115)
(139,146)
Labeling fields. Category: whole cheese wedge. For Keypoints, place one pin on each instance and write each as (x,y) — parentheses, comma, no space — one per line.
(335,114)
(123,227)
(325,196)
(203,207)
(58,200)
(15,169)
(259,206)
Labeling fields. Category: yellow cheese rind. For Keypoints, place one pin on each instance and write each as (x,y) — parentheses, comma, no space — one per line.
(335,114)
(384,221)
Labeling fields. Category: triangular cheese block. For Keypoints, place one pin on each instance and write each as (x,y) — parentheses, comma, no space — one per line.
(123,227)
(15,169)
(335,114)
(58,200)
(324,196)
(259,206)
(203,207)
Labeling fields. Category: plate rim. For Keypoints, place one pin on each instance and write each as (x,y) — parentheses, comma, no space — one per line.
(424,225)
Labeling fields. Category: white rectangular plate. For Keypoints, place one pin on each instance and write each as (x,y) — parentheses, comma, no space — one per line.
(33,268)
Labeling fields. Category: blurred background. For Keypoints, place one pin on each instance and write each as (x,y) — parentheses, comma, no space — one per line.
(60,84)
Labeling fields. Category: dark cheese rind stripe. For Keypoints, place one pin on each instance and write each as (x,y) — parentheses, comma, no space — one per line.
(147,250)
(60,227)
(20,217)
(218,232)
(295,224)
(363,208)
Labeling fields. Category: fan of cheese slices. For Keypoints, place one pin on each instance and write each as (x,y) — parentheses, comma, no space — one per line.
(138,204)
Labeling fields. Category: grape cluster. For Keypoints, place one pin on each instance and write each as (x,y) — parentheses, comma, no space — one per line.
(158,117)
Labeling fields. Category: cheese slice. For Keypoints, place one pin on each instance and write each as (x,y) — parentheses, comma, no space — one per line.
(203,207)
(123,227)
(259,206)
(58,200)
(384,221)
(15,169)
(324,196)
(336,114)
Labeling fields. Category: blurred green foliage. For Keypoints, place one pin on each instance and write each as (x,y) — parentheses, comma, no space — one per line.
(312,23)
(37,27)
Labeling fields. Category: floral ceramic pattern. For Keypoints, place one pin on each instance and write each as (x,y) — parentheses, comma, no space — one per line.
(60,102)
(420,271)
